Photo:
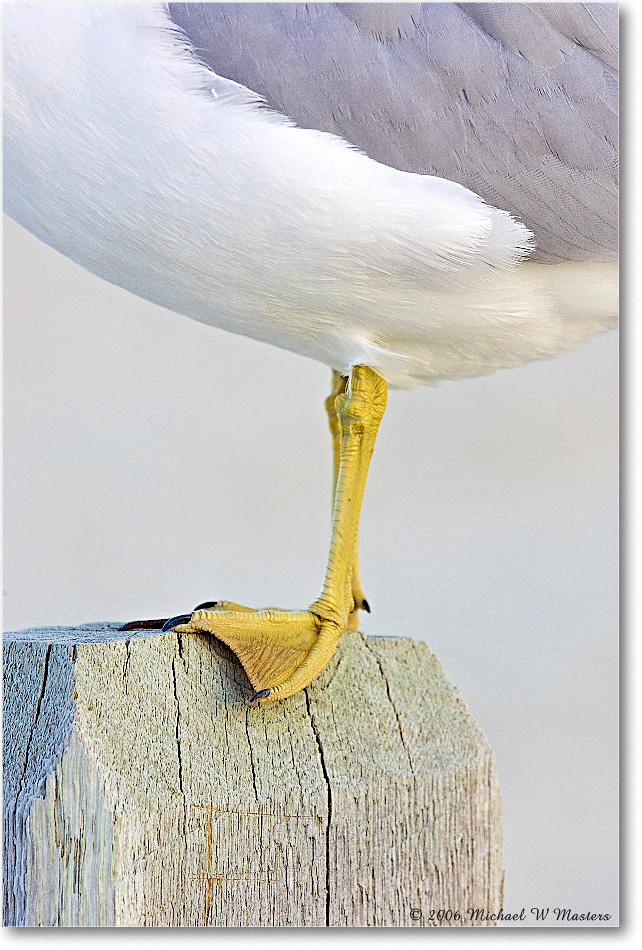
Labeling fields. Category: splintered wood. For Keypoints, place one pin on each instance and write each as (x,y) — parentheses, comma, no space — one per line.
(143,789)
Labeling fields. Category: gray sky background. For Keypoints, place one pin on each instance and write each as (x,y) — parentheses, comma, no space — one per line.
(153,462)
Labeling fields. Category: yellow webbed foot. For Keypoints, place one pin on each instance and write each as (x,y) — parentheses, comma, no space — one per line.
(281,651)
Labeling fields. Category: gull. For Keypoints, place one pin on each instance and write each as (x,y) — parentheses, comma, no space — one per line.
(407,193)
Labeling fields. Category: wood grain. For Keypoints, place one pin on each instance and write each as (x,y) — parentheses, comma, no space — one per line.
(143,789)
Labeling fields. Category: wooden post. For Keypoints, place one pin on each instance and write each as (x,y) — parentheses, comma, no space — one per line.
(143,789)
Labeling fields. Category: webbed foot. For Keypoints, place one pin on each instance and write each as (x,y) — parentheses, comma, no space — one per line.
(281,651)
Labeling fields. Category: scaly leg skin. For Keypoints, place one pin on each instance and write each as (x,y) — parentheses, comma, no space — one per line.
(339,384)
(283,651)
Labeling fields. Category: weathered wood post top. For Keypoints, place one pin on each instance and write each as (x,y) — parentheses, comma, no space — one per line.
(143,789)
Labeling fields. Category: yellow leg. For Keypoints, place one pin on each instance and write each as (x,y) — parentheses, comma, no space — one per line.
(283,651)
(339,384)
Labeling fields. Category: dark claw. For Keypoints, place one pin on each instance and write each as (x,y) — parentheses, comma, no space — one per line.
(144,625)
(262,693)
(166,624)
(365,605)
(175,621)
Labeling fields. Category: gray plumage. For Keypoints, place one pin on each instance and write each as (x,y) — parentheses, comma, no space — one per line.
(518,102)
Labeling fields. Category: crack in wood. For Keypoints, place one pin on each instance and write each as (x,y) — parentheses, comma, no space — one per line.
(249,742)
(126,664)
(329,793)
(394,708)
(43,685)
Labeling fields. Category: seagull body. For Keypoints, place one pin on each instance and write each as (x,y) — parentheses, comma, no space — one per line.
(128,151)
(131,157)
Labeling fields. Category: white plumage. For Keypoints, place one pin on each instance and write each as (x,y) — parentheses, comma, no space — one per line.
(128,155)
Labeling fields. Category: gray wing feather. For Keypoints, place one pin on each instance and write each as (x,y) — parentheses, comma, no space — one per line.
(518,102)
(593,26)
